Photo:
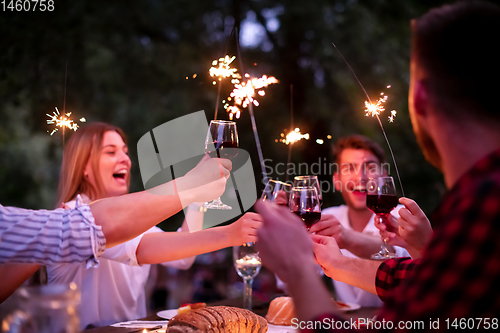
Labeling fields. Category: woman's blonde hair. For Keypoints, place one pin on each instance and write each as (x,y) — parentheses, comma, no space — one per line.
(83,146)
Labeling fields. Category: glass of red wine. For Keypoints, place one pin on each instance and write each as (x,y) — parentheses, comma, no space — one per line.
(277,192)
(305,181)
(304,201)
(381,198)
(221,142)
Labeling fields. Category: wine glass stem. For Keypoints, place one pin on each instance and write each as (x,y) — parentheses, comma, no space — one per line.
(383,219)
(218,201)
(384,246)
(247,296)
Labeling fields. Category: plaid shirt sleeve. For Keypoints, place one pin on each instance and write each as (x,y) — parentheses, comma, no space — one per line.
(459,273)
(391,273)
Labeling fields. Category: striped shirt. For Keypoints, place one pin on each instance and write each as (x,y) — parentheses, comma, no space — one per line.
(50,236)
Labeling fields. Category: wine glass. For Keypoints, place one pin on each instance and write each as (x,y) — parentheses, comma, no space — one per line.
(304,181)
(277,192)
(304,201)
(221,142)
(381,198)
(247,263)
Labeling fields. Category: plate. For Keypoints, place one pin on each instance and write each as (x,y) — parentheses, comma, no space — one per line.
(351,307)
(280,329)
(167,314)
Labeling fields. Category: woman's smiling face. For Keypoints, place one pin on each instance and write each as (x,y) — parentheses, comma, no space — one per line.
(114,165)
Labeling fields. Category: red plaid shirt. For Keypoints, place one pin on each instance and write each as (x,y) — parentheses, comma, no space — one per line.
(459,273)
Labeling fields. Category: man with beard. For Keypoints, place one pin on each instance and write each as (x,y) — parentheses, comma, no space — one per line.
(454,111)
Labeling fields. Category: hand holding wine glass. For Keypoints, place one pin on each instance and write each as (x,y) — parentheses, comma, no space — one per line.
(221,142)
(381,199)
(304,201)
(247,264)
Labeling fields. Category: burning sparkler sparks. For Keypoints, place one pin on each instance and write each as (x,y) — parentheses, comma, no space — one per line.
(62,121)
(293,137)
(224,70)
(244,93)
(373,109)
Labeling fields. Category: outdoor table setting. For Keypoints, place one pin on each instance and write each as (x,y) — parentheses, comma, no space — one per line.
(155,323)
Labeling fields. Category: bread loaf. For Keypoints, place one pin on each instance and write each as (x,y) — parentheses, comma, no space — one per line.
(217,319)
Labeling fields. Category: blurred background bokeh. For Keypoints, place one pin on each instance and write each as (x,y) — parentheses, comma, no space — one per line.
(138,64)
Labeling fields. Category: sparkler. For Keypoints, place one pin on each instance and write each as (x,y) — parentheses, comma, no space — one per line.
(243,94)
(223,70)
(377,108)
(374,110)
(292,137)
(63,121)
(250,111)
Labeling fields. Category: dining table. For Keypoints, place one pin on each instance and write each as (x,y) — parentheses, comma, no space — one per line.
(259,307)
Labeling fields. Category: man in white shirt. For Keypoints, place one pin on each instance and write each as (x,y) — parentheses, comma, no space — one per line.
(357,158)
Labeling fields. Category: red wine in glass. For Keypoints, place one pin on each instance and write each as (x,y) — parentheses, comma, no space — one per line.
(222,149)
(304,201)
(381,199)
(309,218)
(221,142)
(382,205)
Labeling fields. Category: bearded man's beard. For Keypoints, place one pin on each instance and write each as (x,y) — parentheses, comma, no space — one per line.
(427,145)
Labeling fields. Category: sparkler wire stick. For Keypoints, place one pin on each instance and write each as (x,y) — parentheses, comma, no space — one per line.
(252,117)
(220,82)
(289,158)
(64,97)
(217,100)
(380,123)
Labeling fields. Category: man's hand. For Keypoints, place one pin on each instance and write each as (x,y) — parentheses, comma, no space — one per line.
(414,227)
(244,230)
(286,248)
(413,230)
(327,253)
(392,238)
(331,227)
(284,244)
(357,272)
